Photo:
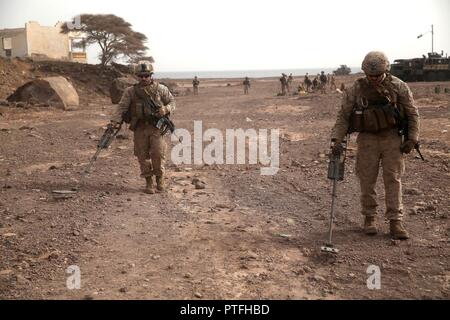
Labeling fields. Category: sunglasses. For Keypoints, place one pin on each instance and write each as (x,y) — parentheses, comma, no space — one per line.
(144,76)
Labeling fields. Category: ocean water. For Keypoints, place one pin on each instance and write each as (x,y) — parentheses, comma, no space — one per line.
(244,73)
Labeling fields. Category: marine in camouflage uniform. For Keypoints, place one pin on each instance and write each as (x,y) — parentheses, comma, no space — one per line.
(307,82)
(246,84)
(375,96)
(290,79)
(323,82)
(195,84)
(284,84)
(149,144)
(315,83)
(332,82)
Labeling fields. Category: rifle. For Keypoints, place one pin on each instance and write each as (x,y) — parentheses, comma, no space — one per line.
(164,124)
(403,130)
(105,141)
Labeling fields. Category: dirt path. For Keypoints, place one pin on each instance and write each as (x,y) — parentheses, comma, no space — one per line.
(244,236)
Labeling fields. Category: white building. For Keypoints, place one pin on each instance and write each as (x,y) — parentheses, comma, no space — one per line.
(41,43)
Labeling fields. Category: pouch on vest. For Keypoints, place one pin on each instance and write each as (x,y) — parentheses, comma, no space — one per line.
(142,111)
(370,121)
(381,118)
(390,114)
(356,121)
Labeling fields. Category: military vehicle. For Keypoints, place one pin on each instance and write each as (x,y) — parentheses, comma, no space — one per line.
(343,70)
(435,67)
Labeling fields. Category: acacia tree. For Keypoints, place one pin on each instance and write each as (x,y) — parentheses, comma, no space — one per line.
(113,34)
(139,58)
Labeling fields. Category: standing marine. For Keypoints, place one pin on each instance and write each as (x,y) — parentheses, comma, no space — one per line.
(284,84)
(195,84)
(378,106)
(246,84)
(323,82)
(149,144)
(307,82)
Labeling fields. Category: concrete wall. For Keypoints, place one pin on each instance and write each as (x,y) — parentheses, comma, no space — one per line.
(47,41)
(18,41)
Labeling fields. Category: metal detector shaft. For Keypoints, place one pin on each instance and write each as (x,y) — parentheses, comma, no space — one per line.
(336,173)
(418,151)
(93,159)
(333,197)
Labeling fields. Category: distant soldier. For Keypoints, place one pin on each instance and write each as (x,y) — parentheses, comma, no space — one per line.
(323,82)
(246,84)
(195,84)
(283,81)
(307,82)
(315,83)
(332,82)
(289,81)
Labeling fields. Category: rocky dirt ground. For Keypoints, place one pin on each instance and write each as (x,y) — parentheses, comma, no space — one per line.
(244,236)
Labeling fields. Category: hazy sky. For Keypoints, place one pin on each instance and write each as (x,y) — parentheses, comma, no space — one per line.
(200,35)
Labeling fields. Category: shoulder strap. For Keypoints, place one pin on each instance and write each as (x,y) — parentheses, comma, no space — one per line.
(143,92)
(388,90)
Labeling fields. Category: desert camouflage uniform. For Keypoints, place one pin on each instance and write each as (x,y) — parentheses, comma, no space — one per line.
(149,145)
(246,84)
(308,83)
(284,84)
(323,82)
(383,146)
(332,82)
(195,84)
(288,83)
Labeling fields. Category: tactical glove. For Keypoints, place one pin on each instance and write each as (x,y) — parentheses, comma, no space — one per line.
(162,111)
(114,124)
(336,147)
(407,146)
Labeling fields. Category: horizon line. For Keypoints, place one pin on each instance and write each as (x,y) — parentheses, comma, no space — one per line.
(235,70)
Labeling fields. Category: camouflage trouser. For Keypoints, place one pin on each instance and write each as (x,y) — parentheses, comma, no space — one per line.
(308,87)
(373,148)
(195,91)
(283,89)
(150,149)
(245,89)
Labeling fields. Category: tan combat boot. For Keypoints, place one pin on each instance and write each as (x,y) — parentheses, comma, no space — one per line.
(149,187)
(369,226)
(398,232)
(160,185)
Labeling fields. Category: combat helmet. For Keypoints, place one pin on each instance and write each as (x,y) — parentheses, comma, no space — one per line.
(144,68)
(375,63)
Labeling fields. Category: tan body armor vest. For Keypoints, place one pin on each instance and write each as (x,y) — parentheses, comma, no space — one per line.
(139,112)
(373,110)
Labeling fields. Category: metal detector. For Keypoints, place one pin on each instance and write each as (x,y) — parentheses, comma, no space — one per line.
(336,168)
